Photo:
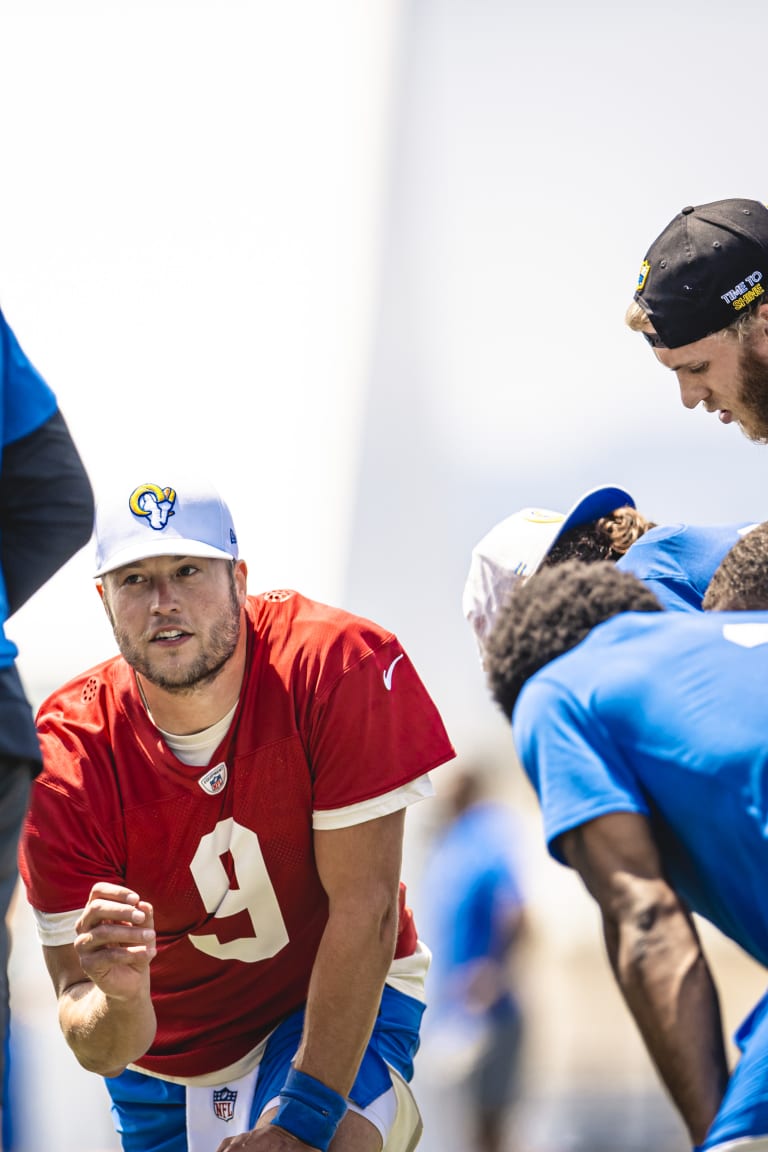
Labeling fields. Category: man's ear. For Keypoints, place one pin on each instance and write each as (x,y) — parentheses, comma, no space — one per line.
(241,579)
(103,598)
(762,312)
(105,603)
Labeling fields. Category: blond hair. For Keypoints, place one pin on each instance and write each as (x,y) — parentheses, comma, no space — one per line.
(623,527)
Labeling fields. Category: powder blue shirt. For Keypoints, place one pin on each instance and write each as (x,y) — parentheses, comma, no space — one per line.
(664,714)
(471,886)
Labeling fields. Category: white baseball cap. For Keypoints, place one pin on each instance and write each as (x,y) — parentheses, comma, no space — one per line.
(138,521)
(515,548)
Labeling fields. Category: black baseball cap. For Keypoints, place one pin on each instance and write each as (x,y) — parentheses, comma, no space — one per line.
(706,267)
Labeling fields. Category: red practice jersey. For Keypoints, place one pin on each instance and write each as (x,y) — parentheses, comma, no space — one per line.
(331,716)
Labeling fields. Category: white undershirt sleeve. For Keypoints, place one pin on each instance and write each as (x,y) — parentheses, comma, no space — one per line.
(419,789)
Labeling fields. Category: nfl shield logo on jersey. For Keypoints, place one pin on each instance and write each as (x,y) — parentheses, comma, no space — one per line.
(224,1103)
(214,780)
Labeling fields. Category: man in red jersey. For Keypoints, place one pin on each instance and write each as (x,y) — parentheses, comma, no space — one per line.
(213,849)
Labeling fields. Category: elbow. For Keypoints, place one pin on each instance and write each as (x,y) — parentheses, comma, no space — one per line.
(98,1069)
(110,1075)
(104,1042)
(105,1059)
(98,1059)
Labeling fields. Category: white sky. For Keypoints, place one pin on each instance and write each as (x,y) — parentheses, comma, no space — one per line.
(553,142)
(188,246)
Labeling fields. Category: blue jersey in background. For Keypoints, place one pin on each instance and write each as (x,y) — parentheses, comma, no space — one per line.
(677,561)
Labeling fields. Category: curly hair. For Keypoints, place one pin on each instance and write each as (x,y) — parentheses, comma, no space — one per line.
(605,539)
(551,613)
(740,582)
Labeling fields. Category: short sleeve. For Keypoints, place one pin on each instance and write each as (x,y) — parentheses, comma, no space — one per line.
(578,772)
(375,730)
(75,796)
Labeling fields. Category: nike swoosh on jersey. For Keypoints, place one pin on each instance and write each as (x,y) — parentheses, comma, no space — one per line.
(389,671)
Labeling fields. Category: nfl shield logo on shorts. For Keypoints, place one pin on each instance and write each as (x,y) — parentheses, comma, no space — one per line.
(224,1103)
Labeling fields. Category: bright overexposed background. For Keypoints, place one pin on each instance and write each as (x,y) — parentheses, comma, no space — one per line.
(365,263)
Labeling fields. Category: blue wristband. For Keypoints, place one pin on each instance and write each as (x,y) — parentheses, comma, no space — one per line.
(309,1110)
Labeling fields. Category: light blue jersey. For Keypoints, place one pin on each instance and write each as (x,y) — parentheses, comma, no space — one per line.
(471,881)
(473,904)
(677,561)
(677,730)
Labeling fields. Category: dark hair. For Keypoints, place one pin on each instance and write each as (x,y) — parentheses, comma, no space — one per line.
(740,582)
(605,539)
(551,613)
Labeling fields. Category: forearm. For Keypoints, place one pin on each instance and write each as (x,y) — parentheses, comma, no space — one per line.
(106,1033)
(657,960)
(345,991)
(666,983)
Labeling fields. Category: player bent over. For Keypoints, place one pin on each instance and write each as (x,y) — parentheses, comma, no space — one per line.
(643,734)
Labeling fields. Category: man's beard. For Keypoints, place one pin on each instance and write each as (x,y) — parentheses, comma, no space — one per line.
(753,394)
(223,635)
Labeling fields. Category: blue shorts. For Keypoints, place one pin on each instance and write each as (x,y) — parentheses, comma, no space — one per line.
(744,1110)
(150,1114)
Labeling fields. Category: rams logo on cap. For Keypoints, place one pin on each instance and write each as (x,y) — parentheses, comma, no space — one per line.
(642,275)
(153,503)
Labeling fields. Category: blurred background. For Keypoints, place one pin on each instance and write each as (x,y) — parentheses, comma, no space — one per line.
(366,263)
